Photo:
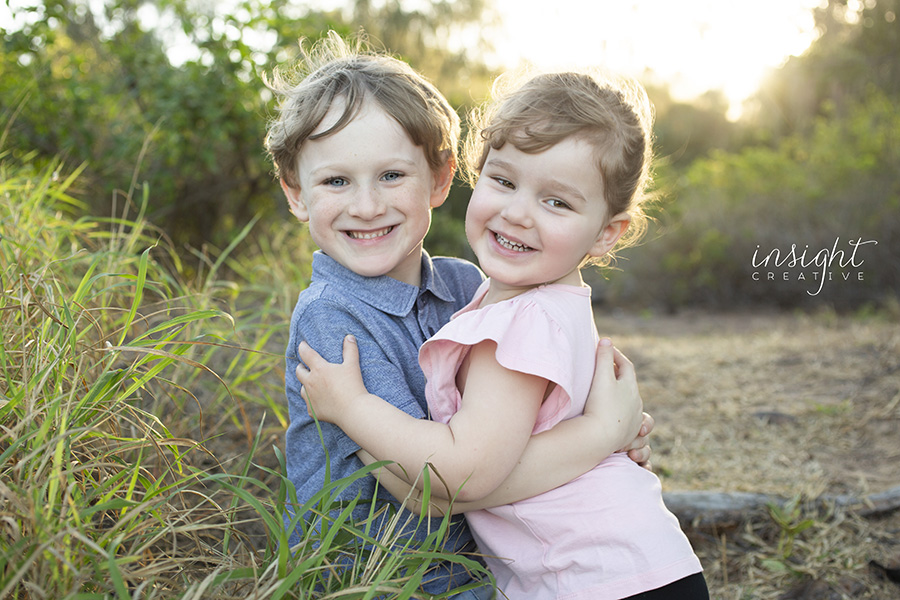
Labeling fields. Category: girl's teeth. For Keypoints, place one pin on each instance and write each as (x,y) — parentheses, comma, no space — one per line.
(511,245)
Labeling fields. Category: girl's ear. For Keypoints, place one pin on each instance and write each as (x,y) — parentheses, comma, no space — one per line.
(610,234)
(295,202)
(443,179)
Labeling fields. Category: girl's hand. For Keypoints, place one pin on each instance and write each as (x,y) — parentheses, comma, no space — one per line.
(330,388)
(615,403)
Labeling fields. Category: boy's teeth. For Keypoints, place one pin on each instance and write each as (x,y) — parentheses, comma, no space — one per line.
(369,235)
(511,245)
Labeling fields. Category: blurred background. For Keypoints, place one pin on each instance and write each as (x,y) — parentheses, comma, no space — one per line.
(776,124)
(148,267)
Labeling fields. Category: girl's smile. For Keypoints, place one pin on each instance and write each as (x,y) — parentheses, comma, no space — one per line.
(510,244)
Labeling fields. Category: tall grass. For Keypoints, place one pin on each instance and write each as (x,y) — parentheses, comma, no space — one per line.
(140,412)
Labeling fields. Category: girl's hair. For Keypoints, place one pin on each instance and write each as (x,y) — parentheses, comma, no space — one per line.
(331,69)
(615,117)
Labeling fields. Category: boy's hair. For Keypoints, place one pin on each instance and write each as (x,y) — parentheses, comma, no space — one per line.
(613,117)
(332,69)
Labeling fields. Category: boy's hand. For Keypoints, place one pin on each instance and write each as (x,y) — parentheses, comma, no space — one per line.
(329,388)
(615,402)
(639,449)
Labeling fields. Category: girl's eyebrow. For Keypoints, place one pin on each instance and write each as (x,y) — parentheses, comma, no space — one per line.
(500,163)
(550,183)
(567,190)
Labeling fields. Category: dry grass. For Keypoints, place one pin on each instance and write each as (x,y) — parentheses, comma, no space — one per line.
(789,405)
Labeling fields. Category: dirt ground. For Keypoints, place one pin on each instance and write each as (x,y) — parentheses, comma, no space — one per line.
(782,404)
(788,404)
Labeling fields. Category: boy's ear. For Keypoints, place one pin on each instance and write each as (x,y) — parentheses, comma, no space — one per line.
(295,201)
(610,234)
(443,179)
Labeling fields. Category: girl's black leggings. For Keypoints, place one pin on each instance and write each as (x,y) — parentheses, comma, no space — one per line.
(692,587)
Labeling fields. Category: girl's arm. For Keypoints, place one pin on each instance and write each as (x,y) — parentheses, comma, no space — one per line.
(568,450)
(612,421)
(473,453)
(412,498)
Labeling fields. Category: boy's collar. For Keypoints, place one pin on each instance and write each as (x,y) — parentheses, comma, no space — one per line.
(384,293)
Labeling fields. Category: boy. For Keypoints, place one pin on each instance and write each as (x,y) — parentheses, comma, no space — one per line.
(365,148)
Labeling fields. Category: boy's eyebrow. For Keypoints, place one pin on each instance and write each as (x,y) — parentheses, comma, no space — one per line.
(341,165)
(399,159)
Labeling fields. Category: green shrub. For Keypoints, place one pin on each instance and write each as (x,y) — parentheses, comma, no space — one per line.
(820,191)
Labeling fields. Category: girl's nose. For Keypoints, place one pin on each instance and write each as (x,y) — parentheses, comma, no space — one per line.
(367,204)
(517,211)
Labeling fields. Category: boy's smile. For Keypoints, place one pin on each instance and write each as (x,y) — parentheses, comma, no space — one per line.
(369,235)
(367,192)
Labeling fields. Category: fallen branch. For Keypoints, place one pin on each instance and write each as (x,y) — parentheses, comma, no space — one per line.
(729,509)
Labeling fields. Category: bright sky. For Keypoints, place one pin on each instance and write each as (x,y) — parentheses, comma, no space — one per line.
(695,45)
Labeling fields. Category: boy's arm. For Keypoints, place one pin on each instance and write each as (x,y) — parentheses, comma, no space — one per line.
(473,453)
(322,324)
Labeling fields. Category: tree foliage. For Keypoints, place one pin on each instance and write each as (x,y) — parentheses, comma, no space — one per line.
(823,172)
(686,131)
(855,51)
(108,88)
(102,84)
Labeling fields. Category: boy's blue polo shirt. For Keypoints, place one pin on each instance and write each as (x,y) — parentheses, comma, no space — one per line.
(390,320)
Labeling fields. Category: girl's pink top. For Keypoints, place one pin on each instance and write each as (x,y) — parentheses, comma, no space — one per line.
(604,535)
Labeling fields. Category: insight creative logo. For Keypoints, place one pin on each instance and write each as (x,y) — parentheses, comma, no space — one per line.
(827,264)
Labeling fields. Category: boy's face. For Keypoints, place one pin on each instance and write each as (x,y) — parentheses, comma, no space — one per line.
(533,218)
(367,192)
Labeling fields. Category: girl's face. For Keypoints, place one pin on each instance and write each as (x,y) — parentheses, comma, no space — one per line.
(534,218)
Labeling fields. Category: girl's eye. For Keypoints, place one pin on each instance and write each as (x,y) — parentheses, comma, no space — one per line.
(392,176)
(336,182)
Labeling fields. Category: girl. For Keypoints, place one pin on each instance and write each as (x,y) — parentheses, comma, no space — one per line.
(561,165)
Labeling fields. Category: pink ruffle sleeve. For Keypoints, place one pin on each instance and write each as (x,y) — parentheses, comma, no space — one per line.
(529,340)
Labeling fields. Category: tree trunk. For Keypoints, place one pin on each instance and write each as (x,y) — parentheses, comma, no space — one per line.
(729,509)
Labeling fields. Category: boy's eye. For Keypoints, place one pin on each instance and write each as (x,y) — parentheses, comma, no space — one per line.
(336,181)
(505,182)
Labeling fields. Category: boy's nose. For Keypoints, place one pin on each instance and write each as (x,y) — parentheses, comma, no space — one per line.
(367,204)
